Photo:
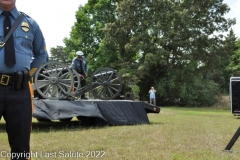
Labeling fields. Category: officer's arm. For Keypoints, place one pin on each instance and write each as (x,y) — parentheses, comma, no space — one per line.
(73,66)
(86,67)
(39,49)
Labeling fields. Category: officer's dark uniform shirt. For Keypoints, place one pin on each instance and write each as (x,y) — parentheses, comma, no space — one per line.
(29,44)
(80,67)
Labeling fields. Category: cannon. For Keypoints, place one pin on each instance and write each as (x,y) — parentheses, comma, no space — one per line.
(60,87)
(55,81)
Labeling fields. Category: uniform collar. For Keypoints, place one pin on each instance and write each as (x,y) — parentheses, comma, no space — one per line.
(14,12)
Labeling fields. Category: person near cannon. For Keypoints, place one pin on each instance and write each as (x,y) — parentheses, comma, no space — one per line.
(152,96)
(20,40)
(79,63)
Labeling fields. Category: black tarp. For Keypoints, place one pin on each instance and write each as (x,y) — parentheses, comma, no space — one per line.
(114,112)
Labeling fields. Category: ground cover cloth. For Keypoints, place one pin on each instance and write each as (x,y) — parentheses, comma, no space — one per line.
(114,112)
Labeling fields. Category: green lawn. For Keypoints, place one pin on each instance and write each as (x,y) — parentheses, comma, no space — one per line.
(174,134)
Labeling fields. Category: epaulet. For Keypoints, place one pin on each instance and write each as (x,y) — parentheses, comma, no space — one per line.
(24,14)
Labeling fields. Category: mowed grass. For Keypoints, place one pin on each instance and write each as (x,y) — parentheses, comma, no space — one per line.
(174,134)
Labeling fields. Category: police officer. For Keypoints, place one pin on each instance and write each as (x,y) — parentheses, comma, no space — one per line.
(15,102)
(79,63)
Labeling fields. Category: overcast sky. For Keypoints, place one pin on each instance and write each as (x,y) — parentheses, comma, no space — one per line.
(56,17)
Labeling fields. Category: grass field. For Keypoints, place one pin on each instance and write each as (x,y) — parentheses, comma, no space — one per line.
(174,134)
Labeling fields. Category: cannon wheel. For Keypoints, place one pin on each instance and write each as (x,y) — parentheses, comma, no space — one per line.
(105,83)
(54,80)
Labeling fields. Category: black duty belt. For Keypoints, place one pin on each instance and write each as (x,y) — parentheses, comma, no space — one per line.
(6,79)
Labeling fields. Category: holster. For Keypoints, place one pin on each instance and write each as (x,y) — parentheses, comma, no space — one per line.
(20,79)
(17,80)
(26,78)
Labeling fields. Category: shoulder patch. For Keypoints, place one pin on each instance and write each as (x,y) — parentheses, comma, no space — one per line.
(24,14)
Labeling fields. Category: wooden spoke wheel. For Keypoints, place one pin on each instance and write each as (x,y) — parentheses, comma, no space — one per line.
(54,80)
(105,83)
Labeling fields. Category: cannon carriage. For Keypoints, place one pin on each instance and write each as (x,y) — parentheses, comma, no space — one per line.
(59,87)
(55,80)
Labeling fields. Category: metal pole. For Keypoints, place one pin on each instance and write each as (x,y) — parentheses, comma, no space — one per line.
(233,140)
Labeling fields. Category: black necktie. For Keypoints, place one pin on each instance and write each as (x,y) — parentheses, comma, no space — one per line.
(10,59)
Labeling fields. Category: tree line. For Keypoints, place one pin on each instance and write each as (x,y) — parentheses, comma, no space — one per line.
(186,49)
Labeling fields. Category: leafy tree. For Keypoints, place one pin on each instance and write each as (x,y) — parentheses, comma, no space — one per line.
(234,65)
(230,46)
(178,46)
(59,54)
(173,45)
(87,34)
